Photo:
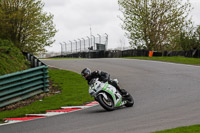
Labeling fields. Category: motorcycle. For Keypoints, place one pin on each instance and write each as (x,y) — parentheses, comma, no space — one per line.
(108,96)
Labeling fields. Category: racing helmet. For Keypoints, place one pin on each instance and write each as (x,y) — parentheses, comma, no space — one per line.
(86,72)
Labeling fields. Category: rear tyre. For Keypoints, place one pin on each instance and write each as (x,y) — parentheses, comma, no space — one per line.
(130,101)
(107,104)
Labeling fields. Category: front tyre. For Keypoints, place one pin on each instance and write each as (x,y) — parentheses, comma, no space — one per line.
(107,104)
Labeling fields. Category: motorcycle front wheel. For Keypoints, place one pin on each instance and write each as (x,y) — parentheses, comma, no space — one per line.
(107,104)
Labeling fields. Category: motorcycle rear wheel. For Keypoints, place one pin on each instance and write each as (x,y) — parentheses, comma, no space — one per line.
(107,104)
(129,99)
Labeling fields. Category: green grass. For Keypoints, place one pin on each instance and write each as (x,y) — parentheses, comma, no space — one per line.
(74,91)
(11,58)
(177,59)
(189,129)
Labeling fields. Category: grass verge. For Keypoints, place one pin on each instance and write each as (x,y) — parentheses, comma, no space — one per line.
(176,59)
(11,58)
(74,91)
(189,129)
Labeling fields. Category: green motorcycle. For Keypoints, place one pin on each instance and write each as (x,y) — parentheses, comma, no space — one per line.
(108,96)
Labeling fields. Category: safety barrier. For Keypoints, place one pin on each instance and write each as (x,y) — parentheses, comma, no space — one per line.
(108,54)
(35,62)
(131,53)
(18,86)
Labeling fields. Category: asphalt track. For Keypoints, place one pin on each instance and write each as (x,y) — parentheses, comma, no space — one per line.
(167,95)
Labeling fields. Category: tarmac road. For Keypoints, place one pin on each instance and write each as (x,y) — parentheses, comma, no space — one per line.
(166,96)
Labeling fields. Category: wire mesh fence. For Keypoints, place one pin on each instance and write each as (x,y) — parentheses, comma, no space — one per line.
(92,43)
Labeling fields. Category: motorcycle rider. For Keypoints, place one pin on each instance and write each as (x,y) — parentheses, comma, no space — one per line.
(104,77)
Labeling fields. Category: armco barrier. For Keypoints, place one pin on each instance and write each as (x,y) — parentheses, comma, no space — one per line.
(17,86)
(35,62)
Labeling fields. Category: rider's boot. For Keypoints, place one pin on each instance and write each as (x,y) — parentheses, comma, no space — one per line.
(124,93)
(121,91)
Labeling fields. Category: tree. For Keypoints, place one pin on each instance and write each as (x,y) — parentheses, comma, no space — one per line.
(26,25)
(197,34)
(190,40)
(154,23)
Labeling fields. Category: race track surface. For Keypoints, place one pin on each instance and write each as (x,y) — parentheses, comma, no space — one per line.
(167,95)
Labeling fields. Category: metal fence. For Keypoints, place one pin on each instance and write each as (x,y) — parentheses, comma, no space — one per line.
(17,86)
(91,43)
(35,62)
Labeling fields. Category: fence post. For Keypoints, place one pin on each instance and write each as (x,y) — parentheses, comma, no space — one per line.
(106,41)
(80,44)
(45,79)
(84,43)
(99,38)
(71,46)
(94,41)
(76,45)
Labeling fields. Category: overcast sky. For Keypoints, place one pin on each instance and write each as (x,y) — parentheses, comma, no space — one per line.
(73,19)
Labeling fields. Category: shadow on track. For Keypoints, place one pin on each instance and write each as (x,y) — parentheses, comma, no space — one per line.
(105,111)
